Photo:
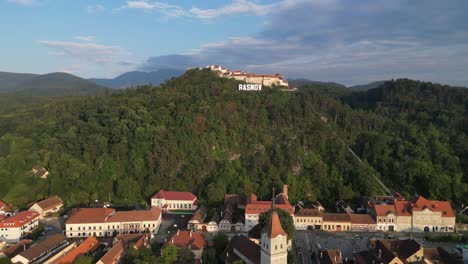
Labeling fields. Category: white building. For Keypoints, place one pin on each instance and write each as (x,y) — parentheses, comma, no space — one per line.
(274,242)
(102,222)
(48,206)
(175,201)
(13,228)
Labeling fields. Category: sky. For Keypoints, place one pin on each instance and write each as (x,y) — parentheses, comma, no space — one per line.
(345,41)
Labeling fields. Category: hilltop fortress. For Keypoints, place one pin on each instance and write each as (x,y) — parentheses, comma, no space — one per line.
(255,81)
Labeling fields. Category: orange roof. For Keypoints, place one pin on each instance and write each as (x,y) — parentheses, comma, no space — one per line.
(136,216)
(259,207)
(50,202)
(20,219)
(274,227)
(89,215)
(361,219)
(188,239)
(170,195)
(114,254)
(384,209)
(89,245)
(420,203)
(403,208)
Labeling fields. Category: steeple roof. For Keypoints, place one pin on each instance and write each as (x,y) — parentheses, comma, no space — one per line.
(274,228)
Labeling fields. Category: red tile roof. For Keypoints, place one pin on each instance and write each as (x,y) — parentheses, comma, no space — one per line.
(362,219)
(136,216)
(259,207)
(336,217)
(420,203)
(274,227)
(403,208)
(20,219)
(188,239)
(89,245)
(114,254)
(51,202)
(170,195)
(384,209)
(89,215)
(304,212)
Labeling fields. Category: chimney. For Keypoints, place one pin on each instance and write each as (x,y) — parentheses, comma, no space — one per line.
(190,233)
(285,189)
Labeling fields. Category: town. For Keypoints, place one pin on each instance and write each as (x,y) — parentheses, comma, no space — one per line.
(384,229)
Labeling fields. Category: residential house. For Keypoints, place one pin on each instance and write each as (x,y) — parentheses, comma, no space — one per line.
(330,257)
(90,244)
(336,222)
(42,250)
(103,222)
(308,219)
(40,172)
(362,223)
(385,216)
(254,208)
(6,209)
(398,251)
(191,240)
(48,206)
(241,248)
(15,249)
(175,201)
(121,245)
(14,228)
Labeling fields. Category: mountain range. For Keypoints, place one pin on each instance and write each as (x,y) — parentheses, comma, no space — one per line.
(135,78)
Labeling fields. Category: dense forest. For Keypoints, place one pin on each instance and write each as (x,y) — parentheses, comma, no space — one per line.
(198,133)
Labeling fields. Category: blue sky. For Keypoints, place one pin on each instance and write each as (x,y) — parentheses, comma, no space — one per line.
(350,42)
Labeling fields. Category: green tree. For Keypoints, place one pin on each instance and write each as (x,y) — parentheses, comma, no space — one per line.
(286,221)
(83,260)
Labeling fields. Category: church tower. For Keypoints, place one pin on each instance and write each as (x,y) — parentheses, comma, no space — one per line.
(274,241)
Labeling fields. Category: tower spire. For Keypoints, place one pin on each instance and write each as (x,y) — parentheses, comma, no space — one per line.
(273,199)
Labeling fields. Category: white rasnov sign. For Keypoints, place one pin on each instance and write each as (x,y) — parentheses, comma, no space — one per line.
(250,87)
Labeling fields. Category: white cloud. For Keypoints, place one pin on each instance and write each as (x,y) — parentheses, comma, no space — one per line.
(85,38)
(95,8)
(150,6)
(89,51)
(22,2)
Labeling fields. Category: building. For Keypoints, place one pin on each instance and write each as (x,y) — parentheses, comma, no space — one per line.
(175,201)
(121,245)
(263,79)
(15,249)
(103,222)
(42,250)
(336,222)
(196,222)
(14,228)
(415,215)
(48,206)
(362,223)
(385,216)
(274,242)
(90,244)
(330,257)
(6,209)
(191,240)
(240,248)
(40,172)
(254,208)
(398,251)
(308,219)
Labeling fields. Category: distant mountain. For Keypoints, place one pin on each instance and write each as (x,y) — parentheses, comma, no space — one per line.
(51,84)
(9,81)
(295,83)
(365,87)
(135,78)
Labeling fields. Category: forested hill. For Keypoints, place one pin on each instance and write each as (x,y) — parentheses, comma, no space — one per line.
(198,133)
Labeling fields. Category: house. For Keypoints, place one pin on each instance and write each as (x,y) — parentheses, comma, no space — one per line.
(254,208)
(121,245)
(243,249)
(90,244)
(40,172)
(272,247)
(14,228)
(103,222)
(6,209)
(197,220)
(42,250)
(432,216)
(175,201)
(362,223)
(14,250)
(47,206)
(330,257)
(439,256)
(385,216)
(398,251)
(235,200)
(191,240)
(308,219)
(336,222)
